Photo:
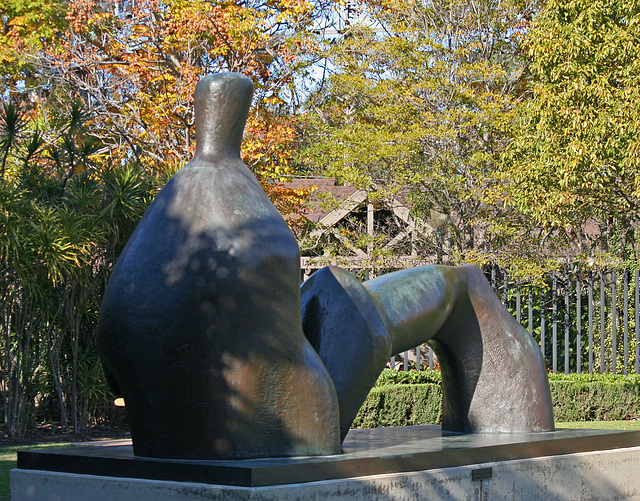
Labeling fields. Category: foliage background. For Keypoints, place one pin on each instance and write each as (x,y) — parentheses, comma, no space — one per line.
(410,398)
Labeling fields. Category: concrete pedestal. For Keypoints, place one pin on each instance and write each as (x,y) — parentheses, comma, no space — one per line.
(389,464)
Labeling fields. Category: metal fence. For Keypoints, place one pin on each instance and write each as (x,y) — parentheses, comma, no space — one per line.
(583,320)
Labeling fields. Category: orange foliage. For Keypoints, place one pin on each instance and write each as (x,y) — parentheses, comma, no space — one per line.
(270,143)
(290,202)
(137,69)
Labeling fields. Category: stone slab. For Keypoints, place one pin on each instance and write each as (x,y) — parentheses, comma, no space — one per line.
(610,475)
(366,452)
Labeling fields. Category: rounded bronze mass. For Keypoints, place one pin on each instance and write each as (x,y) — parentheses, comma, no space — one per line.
(200,328)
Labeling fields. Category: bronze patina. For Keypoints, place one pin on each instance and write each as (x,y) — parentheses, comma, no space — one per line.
(200,327)
(202,331)
(493,373)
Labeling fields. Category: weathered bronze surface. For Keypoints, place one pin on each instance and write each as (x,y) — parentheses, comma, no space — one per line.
(200,327)
(493,373)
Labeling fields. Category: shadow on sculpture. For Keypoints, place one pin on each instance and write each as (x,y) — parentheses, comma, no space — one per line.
(200,328)
(202,333)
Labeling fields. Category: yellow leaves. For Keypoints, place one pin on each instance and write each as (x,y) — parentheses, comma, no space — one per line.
(269,145)
(99,17)
(290,202)
(187,21)
(293,9)
(273,100)
(493,195)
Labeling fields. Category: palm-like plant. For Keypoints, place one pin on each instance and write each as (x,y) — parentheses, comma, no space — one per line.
(11,126)
(63,216)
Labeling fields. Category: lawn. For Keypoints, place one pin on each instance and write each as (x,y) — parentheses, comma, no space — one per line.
(8,454)
(603,425)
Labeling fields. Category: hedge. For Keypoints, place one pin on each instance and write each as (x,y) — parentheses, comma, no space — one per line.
(400,405)
(573,400)
(598,401)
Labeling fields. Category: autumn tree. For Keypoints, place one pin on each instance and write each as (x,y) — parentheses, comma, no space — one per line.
(26,27)
(98,112)
(574,159)
(135,64)
(418,102)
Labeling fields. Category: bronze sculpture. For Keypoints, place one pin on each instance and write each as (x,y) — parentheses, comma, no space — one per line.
(493,373)
(201,329)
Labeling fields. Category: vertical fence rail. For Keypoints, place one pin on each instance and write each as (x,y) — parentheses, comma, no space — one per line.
(603,321)
(578,323)
(543,310)
(554,325)
(614,321)
(567,320)
(518,297)
(530,310)
(637,319)
(575,303)
(505,297)
(625,324)
(493,276)
(592,308)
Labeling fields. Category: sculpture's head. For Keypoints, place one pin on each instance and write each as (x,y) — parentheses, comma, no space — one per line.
(222,104)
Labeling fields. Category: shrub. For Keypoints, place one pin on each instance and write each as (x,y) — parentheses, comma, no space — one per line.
(401,405)
(596,401)
(409,398)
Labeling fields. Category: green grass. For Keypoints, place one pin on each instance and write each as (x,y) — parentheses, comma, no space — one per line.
(603,425)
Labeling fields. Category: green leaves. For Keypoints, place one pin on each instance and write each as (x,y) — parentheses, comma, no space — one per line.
(575,153)
(423,108)
(64,215)
(25,26)
(11,125)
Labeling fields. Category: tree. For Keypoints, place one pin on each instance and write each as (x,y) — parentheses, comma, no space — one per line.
(423,109)
(101,113)
(135,65)
(574,158)
(26,26)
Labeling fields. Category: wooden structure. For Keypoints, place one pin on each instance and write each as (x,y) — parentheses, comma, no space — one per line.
(371,234)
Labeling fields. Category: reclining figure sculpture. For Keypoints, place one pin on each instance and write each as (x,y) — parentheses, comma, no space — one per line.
(219,354)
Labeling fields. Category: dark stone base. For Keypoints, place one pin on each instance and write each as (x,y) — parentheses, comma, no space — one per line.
(366,452)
